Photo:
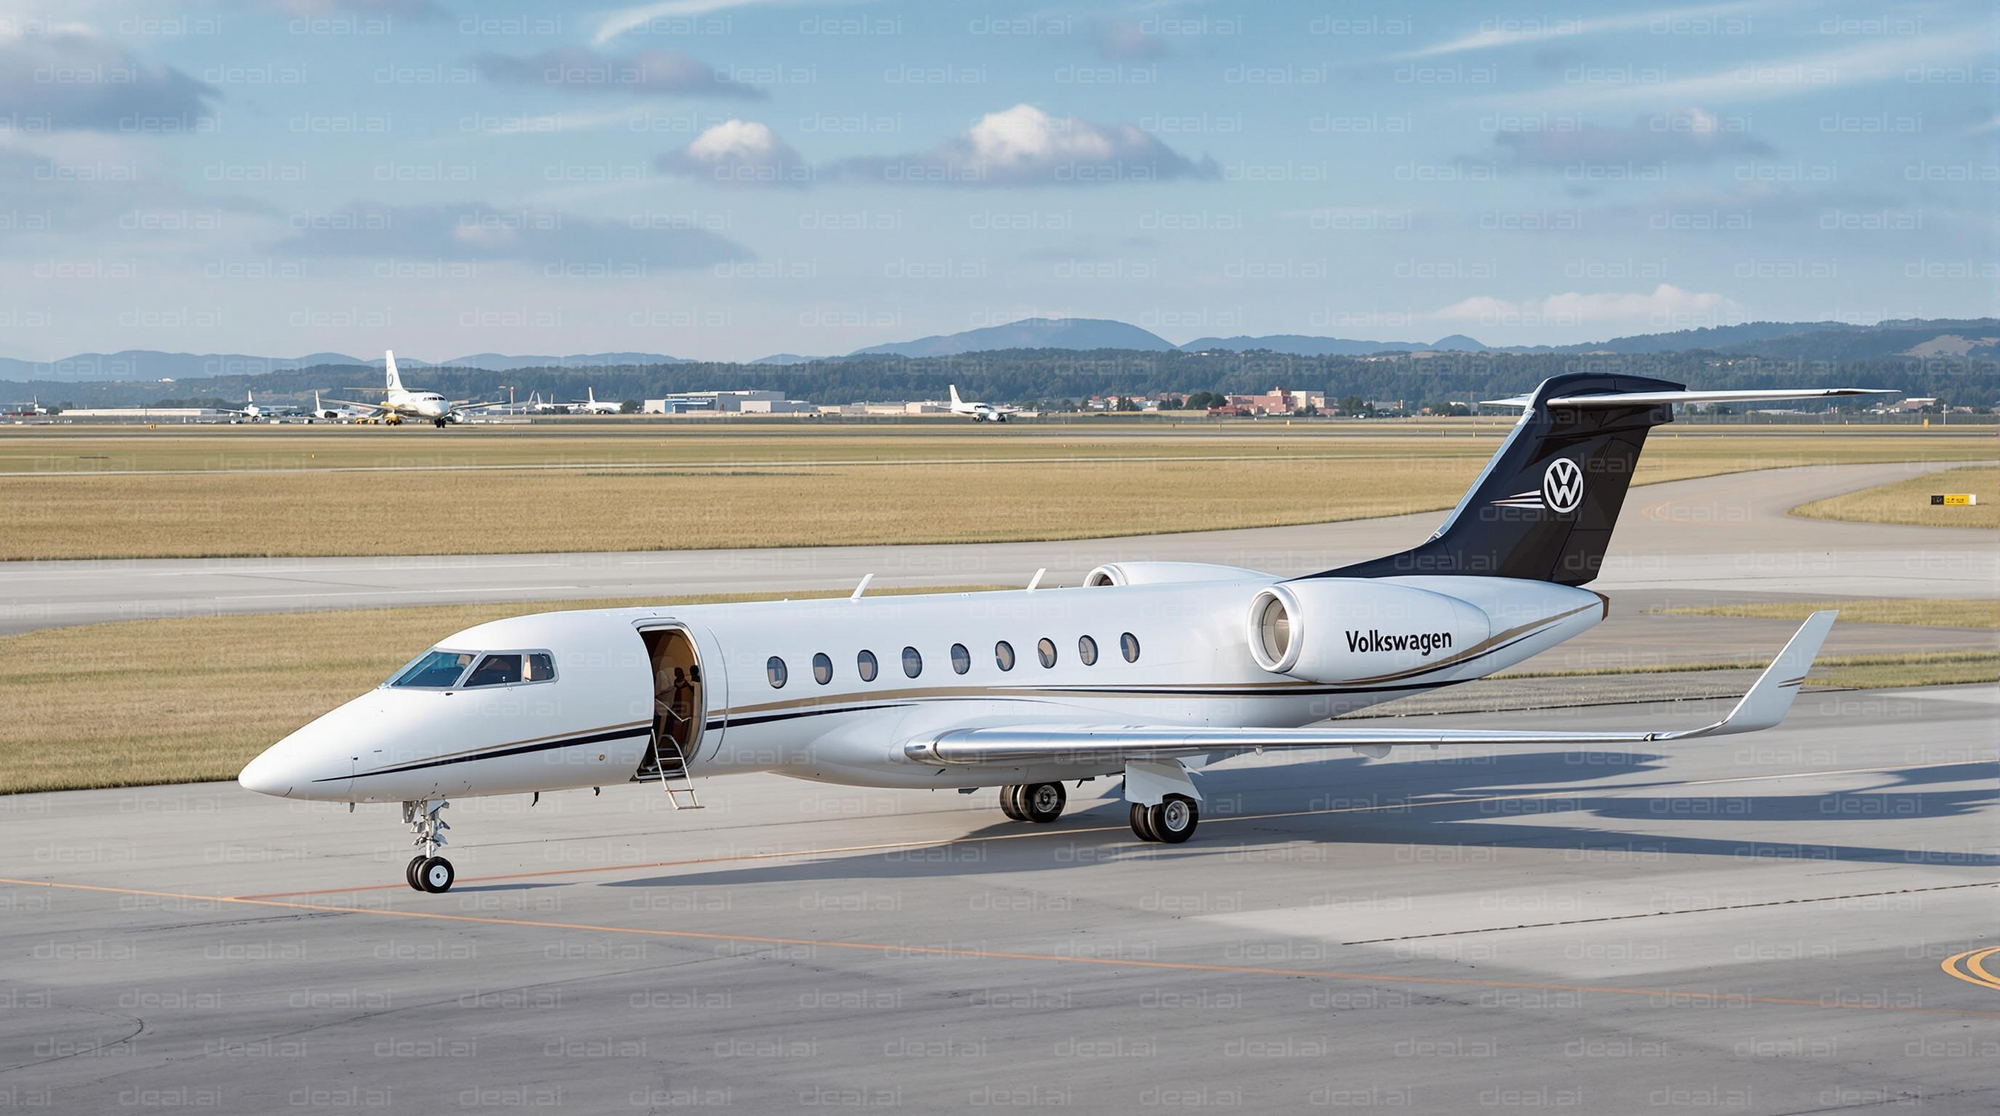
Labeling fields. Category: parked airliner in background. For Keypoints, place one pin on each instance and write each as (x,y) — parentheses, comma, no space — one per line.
(253,410)
(400,402)
(980,412)
(591,406)
(1149,671)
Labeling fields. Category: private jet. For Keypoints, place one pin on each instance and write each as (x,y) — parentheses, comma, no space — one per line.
(1149,671)
(980,412)
(400,402)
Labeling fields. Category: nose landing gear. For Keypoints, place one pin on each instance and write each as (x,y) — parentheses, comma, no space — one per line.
(427,871)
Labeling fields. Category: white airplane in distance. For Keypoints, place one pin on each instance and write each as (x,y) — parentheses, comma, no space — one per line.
(253,410)
(344,411)
(589,406)
(401,402)
(980,412)
(1149,671)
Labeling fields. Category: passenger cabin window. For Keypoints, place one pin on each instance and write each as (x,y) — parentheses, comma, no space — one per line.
(913,663)
(822,668)
(961,659)
(1086,649)
(865,663)
(1129,644)
(774,670)
(1046,650)
(1003,654)
(437,670)
(495,670)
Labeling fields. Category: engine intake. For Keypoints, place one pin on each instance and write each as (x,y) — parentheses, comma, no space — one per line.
(1339,630)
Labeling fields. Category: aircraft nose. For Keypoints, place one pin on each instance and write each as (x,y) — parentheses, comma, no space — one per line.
(270,773)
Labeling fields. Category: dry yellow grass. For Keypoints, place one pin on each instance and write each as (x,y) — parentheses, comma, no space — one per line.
(263,492)
(1943,612)
(1909,501)
(1860,672)
(175,701)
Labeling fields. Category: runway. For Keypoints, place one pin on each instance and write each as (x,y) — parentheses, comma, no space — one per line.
(1708,538)
(1798,920)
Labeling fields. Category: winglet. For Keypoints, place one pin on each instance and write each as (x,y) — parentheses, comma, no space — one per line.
(1771,698)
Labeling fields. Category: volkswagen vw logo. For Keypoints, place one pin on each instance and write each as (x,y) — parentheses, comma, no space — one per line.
(1562,485)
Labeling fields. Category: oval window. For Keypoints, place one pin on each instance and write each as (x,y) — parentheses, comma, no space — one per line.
(865,664)
(913,663)
(1046,650)
(1086,649)
(774,669)
(1003,655)
(961,659)
(1129,644)
(822,668)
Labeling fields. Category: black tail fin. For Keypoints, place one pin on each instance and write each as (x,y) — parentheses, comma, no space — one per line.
(1545,506)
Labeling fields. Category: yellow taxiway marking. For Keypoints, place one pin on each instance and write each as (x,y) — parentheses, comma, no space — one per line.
(1668,996)
(944,842)
(1970,967)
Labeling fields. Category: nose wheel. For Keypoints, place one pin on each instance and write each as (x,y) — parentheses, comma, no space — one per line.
(427,871)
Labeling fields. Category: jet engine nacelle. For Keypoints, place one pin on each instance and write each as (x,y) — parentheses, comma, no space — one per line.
(1339,630)
(1164,573)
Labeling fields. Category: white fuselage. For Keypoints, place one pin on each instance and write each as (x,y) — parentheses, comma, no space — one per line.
(428,405)
(591,724)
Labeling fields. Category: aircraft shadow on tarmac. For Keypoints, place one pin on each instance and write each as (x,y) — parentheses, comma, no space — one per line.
(1498,812)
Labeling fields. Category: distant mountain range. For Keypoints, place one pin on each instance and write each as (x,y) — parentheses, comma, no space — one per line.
(1975,338)
(151,364)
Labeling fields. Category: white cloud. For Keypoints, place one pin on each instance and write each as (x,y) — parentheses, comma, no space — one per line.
(626,20)
(1777,77)
(1507,32)
(1024,146)
(739,153)
(1665,307)
(659,73)
(1689,135)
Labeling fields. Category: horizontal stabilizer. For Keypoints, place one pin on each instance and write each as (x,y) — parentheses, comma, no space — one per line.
(1651,398)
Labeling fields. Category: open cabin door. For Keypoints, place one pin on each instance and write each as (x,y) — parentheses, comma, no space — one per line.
(684,691)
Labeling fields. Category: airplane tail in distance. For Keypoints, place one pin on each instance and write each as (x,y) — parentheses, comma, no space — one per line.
(955,401)
(394,379)
(1545,507)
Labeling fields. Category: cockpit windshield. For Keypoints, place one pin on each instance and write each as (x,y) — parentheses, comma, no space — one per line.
(435,670)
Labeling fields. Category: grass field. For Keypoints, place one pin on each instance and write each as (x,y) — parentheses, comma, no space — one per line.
(292,491)
(174,701)
(143,702)
(1909,501)
(1937,612)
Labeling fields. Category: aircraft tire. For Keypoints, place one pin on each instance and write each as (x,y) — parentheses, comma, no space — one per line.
(1042,803)
(1173,820)
(436,875)
(410,871)
(1142,822)
(1010,802)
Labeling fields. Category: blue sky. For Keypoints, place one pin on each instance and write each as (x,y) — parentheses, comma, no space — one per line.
(727,178)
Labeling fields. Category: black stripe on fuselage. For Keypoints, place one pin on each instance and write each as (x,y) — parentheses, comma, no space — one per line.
(510,750)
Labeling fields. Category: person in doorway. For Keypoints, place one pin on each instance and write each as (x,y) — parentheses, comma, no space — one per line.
(681,708)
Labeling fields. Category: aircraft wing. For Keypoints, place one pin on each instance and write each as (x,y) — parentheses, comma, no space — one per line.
(352,403)
(1762,707)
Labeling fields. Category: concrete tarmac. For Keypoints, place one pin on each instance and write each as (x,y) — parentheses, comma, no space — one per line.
(1797,920)
(1715,537)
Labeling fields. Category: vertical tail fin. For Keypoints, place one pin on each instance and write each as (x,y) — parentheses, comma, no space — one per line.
(954,395)
(394,379)
(1545,507)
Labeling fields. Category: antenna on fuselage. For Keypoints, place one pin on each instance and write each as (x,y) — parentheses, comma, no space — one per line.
(861,588)
(1037,579)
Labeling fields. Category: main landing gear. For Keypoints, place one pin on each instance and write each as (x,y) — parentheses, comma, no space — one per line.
(1035,802)
(1172,821)
(427,871)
